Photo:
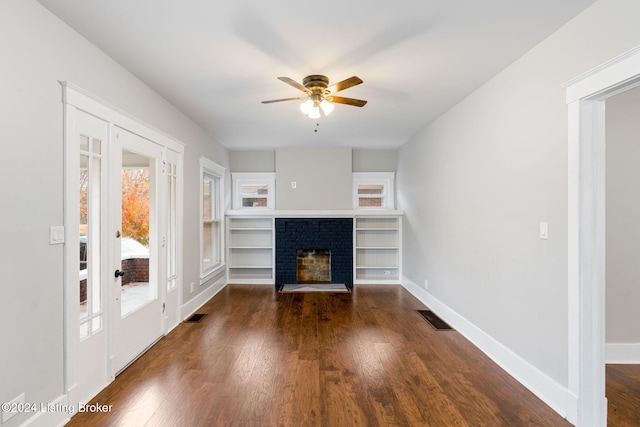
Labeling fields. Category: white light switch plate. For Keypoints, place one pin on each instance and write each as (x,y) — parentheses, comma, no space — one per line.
(56,235)
(544,230)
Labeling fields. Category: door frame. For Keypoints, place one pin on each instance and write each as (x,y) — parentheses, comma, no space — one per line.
(76,99)
(586,97)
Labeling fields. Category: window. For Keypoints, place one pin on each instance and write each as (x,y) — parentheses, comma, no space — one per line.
(90,186)
(211,235)
(253,190)
(172,224)
(373,190)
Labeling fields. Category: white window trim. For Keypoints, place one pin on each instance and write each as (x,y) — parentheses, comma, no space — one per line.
(384,178)
(212,168)
(243,178)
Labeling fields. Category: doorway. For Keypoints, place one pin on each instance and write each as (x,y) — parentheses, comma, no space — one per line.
(123,251)
(137,306)
(586,241)
(622,319)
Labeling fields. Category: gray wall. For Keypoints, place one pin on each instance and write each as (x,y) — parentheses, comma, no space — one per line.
(623,218)
(322,176)
(37,51)
(253,161)
(475,184)
(308,167)
(374,160)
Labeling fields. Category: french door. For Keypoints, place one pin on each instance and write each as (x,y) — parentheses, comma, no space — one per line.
(136,295)
(122,241)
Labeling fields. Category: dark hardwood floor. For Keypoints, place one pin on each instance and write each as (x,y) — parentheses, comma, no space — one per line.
(623,394)
(317,359)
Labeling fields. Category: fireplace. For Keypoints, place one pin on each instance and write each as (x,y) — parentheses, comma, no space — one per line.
(330,239)
(313,266)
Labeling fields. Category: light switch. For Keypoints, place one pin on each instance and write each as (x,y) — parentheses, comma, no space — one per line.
(294,184)
(544,230)
(56,235)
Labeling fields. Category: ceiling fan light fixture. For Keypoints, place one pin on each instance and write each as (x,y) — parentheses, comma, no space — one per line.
(315,113)
(327,107)
(320,99)
(306,106)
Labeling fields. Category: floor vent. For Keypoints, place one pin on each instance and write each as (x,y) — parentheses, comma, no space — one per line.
(434,320)
(195,317)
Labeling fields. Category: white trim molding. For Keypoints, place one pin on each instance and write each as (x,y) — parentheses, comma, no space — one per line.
(558,397)
(586,97)
(623,353)
(201,299)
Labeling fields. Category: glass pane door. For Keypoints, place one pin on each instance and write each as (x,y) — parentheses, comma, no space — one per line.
(136,288)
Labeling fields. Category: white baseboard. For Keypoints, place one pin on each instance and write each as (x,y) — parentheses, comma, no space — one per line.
(558,397)
(56,413)
(194,304)
(622,353)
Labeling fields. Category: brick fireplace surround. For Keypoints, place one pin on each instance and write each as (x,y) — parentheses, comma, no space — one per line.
(333,234)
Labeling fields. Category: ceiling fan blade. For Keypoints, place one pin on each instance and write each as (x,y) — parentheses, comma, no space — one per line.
(293,83)
(283,99)
(348,101)
(345,84)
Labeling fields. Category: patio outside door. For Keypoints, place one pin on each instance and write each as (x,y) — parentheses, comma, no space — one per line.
(136,294)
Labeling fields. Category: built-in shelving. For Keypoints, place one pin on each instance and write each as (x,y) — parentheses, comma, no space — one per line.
(251,245)
(377,249)
(250,250)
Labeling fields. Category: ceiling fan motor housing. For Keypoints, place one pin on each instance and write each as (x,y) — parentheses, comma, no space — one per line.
(316,82)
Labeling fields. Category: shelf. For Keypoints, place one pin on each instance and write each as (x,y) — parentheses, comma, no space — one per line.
(250,266)
(377,229)
(377,247)
(250,247)
(249,229)
(377,250)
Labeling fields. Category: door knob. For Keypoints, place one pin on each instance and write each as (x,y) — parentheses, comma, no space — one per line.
(119,273)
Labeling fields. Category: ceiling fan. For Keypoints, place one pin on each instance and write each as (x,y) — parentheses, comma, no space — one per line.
(319,95)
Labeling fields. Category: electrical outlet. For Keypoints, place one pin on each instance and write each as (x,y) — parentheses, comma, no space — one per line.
(193,287)
(294,184)
(426,284)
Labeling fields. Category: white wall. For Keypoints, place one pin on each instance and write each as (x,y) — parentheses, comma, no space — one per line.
(37,51)
(623,217)
(475,184)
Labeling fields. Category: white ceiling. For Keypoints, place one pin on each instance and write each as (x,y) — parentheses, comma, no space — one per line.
(216,60)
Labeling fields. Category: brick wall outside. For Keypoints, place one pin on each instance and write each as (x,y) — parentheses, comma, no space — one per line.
(136,270)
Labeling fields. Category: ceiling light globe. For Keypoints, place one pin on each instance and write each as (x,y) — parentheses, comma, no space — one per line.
(306,106)
(327,107)
(315,113)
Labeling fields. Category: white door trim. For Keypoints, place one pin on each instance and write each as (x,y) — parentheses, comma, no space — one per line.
(586,97)
(75,99)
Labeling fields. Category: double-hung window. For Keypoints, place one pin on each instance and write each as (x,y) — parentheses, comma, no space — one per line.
(373,190)
(211,212)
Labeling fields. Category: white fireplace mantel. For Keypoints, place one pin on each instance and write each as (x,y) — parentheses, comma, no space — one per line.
(275,213)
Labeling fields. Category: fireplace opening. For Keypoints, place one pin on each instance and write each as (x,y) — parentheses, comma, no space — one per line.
(313,266)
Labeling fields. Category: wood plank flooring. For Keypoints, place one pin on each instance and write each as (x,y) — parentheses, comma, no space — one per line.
(623,394)
(315,359)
